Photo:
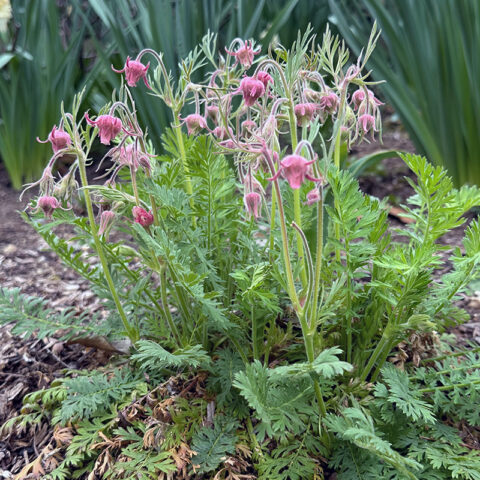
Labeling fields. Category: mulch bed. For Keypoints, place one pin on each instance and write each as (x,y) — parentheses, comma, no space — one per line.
(27,365)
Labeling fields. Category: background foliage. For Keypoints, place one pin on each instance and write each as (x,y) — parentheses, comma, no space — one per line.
(429,59)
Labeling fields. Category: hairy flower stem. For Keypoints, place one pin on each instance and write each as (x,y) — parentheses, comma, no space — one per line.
(131,331)
(183,157)
(318,257)
(294,140)
(283,228)
(272,224)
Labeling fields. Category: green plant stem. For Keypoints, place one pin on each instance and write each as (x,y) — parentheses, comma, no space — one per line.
(132,332)
(163,289)
(294,140)
(448,387)
(286,255)
(272,224)
(450,355)
(183,157)
(373,358)
(256,354)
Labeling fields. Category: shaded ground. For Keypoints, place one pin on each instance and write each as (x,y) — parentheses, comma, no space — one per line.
(27,263)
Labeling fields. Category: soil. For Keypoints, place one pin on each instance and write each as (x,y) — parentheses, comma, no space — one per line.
(27,365)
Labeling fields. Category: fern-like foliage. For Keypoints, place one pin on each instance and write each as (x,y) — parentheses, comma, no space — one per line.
(31,315)
(220,381)
(93,394)
(212,445)
(152,357)
(397,391)
(357,427)
(283,403)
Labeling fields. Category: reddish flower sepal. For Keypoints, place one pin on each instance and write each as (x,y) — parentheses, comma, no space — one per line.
(244,55)
(252,203)
(108,126)
(58,138)
(134,71)
(295,169)
(252,89)
(141,216)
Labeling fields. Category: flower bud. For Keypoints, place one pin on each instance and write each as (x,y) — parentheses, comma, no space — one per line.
(367,122)
(141,216)
(265,78)
(213,113)
(313,196)
(248,126)
(58,138)
(329,103)
(222,134)
(48,205)
(106,221)
(305,113)
(252,203)
(195,123)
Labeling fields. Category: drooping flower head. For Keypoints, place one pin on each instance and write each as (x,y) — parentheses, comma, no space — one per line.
(195,122)
(106,221)
(358,100)
(221,133)
(252,201)
(329,102)
(244,54)
(295,168)
(134,71)
(265,78)
(108,126)
(213,113)
(367,122)
(305,113)
(48,204)
(248,127)
(58,138)
(252,89)
(141,216)
(313,196)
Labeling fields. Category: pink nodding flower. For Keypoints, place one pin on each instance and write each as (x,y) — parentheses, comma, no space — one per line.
(58,138)
(195,123)
(367,122)
(305,112)
(108,126)
(251,89)
(248,126)
(244,55)
(329,103)
(134,71)
(265,78)
(252,201)
(48,205)
(222,133)
(358,98)
(213,113)
(313,196)
(106,220)
(295,169)
(141,216)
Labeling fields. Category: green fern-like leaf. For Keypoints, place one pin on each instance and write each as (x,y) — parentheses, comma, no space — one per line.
(212,445)
(153,357)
